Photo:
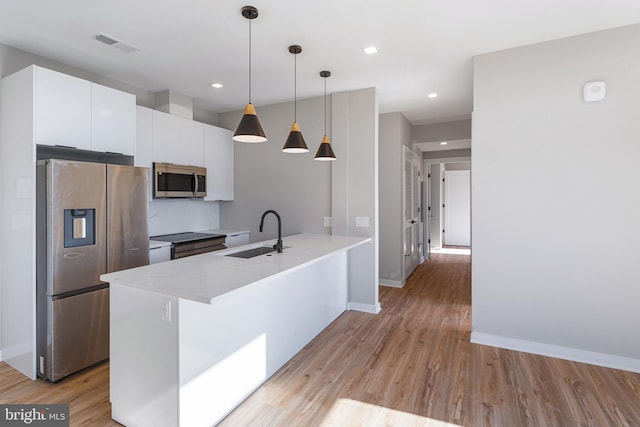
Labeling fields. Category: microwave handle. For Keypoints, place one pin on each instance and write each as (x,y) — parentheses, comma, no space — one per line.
(195,182)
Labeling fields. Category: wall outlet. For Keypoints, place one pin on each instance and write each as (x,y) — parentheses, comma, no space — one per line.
(327,221)
(362,221)
(166,310)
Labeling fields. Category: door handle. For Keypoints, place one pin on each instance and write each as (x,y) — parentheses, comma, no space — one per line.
(195,184)
(413,221)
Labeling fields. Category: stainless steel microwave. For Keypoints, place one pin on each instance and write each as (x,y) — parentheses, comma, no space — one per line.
(178,181)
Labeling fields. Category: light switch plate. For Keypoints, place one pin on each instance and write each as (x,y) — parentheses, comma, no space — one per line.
(327,221)
(166,310)
(362,221)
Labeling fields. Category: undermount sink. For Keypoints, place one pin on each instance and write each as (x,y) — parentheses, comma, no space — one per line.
(250,253)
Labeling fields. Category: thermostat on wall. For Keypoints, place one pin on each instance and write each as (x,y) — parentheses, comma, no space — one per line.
(594,91)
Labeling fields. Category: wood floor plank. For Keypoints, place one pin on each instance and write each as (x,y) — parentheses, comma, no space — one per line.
(411,365)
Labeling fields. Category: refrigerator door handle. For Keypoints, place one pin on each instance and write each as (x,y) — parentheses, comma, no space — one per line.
(72,255)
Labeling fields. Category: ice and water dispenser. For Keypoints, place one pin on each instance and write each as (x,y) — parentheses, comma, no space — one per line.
(79,227)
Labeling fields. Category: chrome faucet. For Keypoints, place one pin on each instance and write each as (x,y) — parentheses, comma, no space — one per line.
(278,245)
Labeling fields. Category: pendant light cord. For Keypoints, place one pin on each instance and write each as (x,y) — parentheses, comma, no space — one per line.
(249,61)
(295,88)
(325,105)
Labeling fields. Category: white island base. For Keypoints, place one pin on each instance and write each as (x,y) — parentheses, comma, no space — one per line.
(181,361)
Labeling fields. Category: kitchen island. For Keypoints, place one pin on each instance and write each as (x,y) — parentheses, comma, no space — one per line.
(193,337)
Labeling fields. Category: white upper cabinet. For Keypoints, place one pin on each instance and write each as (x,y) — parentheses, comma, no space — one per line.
(177,140)
(144,143)
(62,109)
(73,112)
(113,120)
(144,137)
(218,159)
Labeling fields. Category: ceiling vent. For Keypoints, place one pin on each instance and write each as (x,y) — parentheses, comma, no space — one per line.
(120,45)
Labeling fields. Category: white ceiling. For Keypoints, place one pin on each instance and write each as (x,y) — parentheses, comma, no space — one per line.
(424,45)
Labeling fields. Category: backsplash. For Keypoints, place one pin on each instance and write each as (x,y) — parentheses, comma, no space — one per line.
(179,215)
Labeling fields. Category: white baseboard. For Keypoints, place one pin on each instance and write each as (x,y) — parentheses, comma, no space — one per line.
(391,283)
(566,353)
(366,308)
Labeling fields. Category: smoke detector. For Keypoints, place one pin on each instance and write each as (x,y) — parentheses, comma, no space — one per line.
(118,44)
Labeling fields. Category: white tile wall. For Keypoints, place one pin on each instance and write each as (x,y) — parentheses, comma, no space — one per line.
(179,215)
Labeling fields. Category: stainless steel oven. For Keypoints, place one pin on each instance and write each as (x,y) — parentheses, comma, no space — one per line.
(177,181)
(187,244)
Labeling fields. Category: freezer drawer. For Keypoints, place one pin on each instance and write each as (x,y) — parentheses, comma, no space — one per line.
(77,334)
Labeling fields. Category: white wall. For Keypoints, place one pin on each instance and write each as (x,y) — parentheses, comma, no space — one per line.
(444,131)
(295,185)
(555,270)
(395,131)
(355,189)
(457,166)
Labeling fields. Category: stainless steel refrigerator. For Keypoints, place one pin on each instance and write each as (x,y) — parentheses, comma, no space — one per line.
(92,218)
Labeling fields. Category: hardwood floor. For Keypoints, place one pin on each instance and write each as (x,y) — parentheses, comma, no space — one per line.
(410,365)
(87,394)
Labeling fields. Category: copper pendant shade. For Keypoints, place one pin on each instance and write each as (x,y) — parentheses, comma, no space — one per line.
(249,129)
(295,141)
(325,152)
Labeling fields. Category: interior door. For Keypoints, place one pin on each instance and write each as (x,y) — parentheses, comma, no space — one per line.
(411,199)
(457,225)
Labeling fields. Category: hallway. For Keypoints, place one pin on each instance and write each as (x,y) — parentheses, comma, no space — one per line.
(413,364)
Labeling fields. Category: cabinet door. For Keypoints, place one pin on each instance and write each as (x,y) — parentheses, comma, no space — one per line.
(113,120)
(144,143)
(218,159)
(177,140)
(236,239)
(63,110)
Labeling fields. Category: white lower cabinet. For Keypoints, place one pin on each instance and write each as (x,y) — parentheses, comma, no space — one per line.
(236,239)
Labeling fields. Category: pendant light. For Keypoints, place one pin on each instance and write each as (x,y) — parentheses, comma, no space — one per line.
(249,129)
(325,152)
(295,142)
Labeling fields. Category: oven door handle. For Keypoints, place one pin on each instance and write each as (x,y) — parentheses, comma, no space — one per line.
(195,184)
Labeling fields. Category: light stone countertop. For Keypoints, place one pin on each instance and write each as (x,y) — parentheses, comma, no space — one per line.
(203,278)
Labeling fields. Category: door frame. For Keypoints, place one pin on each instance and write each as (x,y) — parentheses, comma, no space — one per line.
(426,163)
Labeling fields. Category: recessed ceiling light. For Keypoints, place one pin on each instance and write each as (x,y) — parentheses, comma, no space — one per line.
(216,85)
(370,50)
(443,143)
(433,95)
